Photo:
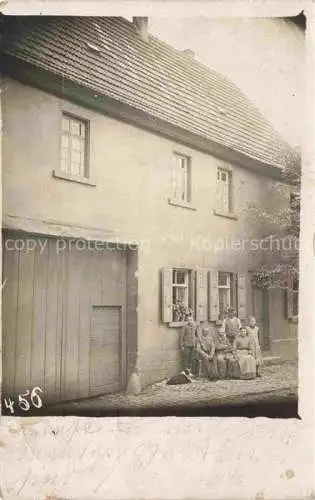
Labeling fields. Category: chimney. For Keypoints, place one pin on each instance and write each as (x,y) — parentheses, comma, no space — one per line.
(189,53)
(141,26)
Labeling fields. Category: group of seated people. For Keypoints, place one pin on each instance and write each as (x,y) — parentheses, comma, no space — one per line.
(232,351)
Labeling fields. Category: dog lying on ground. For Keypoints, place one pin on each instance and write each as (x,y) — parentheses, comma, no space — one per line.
(184,377)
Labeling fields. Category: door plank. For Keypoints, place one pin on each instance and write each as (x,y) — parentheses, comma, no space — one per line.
(84,321)
(24,322)
(9,316)
(105,349)
(61,317)
(71,337)
(38,343)
(51,392)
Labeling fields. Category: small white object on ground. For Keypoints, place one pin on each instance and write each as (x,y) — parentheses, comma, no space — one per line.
(134,385)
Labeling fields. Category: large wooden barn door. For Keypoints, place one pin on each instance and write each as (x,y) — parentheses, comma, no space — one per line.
(94,304)
(64,319)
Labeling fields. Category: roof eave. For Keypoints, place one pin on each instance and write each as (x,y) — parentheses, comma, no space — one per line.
(66,89)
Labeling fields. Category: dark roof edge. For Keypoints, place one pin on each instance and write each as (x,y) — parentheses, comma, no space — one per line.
(299,20)
(82,95)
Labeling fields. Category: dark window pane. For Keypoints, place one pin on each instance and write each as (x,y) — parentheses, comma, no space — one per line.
(223,279)
(295,304)
(179,277)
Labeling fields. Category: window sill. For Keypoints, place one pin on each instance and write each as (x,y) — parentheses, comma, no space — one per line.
(72,178)
(176,324)
(294,319)
(179,203)
(227,215)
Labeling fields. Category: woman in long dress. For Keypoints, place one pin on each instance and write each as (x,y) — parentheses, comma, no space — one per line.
(253,333)
(244,364)
(223,355)
(205,350)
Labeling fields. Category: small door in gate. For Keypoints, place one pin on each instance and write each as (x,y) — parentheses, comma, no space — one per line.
(105,350)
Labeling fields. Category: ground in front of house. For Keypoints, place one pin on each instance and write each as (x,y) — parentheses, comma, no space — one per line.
(273,395)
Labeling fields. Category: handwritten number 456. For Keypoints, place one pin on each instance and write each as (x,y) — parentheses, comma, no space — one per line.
(23,403)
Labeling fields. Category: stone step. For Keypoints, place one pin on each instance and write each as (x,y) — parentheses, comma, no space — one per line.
(272,360)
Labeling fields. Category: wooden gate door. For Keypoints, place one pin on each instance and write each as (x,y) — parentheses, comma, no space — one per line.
(105,348)
(94,336)
(64,319)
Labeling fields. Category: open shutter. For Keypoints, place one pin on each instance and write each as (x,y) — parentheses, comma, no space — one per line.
(167,313)
(201,294)
(289,296)
(241,295)
(213,295)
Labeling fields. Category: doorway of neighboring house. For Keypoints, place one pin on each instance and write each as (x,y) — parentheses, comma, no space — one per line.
(261,313)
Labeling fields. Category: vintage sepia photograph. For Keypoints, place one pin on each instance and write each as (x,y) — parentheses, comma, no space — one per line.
(151,175)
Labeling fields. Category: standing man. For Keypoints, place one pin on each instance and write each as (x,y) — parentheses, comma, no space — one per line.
(188,343)
(231,325)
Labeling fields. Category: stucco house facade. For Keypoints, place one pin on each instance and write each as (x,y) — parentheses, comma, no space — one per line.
(127,170)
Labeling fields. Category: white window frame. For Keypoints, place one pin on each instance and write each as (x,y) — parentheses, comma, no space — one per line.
(82,138)
(180,181)
(83,174)
(224,193)
(224,198)
(181,286)
(181,178)
(231,287)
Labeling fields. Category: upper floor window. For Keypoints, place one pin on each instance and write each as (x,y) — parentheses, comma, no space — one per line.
(74,146)
(181,178)
(224,196)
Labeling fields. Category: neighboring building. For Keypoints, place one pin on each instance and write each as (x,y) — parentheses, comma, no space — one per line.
(127,167)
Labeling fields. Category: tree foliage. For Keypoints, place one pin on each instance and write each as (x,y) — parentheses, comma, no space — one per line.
(277,219)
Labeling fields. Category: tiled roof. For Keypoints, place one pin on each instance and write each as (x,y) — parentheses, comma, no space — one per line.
(109,57)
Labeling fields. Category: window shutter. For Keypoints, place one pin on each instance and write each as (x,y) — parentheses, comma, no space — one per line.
(241,295)
(289,296)
(213,295)
(201,294)
(167,313)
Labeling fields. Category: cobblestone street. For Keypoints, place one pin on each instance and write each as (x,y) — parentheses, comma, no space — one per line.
(278,382)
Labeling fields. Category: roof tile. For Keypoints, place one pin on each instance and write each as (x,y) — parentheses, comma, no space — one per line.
(109,57)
